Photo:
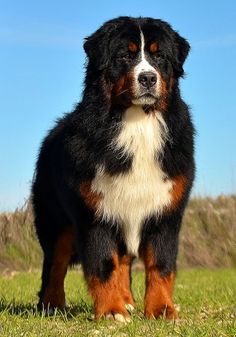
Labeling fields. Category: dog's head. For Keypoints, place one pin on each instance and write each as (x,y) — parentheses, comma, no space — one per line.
(141,59)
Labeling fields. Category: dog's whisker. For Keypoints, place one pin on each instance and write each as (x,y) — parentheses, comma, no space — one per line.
(122,92)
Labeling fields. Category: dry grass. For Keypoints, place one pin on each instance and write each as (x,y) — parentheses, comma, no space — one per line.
(19,248)
(208,236)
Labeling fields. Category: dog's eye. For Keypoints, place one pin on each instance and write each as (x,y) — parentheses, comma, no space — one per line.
(127,57)
(154,47)
(124,57)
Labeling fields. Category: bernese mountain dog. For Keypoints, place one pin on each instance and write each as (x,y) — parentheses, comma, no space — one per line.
(113,177)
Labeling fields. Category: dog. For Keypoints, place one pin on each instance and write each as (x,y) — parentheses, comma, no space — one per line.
(113,177)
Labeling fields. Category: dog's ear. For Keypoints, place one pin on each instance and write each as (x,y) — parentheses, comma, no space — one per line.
(96,46)
(181,51)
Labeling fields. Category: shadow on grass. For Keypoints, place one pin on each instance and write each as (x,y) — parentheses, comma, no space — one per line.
(29,310)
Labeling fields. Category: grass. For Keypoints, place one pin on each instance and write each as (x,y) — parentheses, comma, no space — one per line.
(208,236)
(19,248)
(206,297)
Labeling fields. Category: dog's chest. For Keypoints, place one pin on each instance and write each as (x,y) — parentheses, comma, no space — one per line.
(129,198)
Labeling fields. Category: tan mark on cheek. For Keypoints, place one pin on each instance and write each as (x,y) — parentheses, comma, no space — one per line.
(123,89)
(119,86)
(163,104)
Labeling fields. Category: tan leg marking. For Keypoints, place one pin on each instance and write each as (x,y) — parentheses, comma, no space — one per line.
(54,295)
(159,290)
(124,279)
(106,295)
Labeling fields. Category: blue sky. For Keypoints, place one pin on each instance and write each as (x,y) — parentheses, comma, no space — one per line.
(42,70)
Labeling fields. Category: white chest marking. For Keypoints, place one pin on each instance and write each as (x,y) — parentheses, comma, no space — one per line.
(131,197)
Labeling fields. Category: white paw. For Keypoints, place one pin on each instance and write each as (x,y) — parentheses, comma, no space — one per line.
(129,307)
(121,318)
(109,317)
(177,307)
(118,317)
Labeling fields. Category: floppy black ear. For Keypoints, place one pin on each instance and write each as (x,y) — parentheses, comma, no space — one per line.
(181,51)
(96,46)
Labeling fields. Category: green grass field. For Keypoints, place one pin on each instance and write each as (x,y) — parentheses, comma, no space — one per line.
(207,301)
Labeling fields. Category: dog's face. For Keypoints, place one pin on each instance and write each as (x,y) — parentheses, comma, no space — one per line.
(141,58)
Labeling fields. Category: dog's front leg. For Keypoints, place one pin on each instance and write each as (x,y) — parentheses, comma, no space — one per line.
(101,265)
(159,252)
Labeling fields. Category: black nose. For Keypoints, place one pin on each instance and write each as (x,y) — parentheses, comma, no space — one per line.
(147,79)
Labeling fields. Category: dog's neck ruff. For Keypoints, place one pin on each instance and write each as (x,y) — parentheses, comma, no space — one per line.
(131,197)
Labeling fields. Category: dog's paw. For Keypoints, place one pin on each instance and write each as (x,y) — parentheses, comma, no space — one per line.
(129,307)
(161,311)
(118,317)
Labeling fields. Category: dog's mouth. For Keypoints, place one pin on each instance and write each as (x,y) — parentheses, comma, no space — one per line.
(144,99)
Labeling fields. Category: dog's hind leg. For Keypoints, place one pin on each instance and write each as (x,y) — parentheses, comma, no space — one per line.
(55,266)
(125,263)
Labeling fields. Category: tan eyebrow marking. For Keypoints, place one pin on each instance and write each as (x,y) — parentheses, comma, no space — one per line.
(154,47)
(133,47)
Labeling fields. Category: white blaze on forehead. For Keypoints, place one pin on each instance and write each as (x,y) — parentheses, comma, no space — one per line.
(143,65)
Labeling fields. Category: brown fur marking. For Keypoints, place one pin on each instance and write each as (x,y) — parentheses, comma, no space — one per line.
(133,47)
(122,90)
(179,187)
(119,86)
(54,295)
(106,295)
(91,199)
(124,279)
(159,290)
(163,104)
(154,47)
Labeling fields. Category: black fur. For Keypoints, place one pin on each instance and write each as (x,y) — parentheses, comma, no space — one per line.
(80,141)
